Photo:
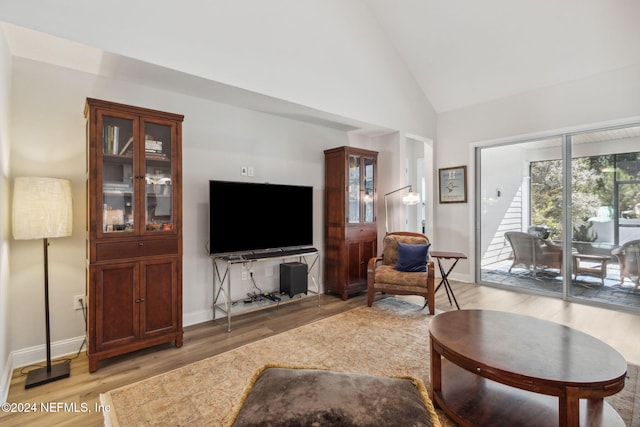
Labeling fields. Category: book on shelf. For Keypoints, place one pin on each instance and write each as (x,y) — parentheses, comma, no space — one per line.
(126,146)
(112,141)
(121,187)
(156,156)
(151,146)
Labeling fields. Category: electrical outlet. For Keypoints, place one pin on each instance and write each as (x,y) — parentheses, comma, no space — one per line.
(78,302)
(245,275)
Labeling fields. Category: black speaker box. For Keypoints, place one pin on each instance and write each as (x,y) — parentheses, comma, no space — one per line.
(293,278)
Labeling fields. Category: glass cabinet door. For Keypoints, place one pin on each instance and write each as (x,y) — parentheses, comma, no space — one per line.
(353,195)
(118,199)
(361,189)
(368,196)
(158,175)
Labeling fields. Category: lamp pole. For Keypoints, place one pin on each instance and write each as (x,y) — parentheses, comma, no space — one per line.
(386,208)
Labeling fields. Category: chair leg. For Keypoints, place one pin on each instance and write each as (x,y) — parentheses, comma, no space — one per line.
(370,293)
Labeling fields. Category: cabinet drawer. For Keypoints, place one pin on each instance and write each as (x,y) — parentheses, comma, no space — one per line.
(136,248)
(361,233)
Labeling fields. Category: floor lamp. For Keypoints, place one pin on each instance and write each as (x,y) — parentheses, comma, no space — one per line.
(410,198)
(41,210)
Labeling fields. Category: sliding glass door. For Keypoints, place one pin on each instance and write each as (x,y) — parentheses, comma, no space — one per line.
(561,215)
(520,215)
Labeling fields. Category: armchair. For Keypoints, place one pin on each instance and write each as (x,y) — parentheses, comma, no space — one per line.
(629,259)
(533,252)
(382,275)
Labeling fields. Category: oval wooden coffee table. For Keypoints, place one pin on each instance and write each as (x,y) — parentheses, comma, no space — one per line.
(498,368)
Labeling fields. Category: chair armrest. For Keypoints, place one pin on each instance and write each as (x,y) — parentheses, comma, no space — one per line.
(371,267)
(549,246)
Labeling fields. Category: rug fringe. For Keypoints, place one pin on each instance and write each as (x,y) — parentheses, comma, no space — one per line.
(435,420)
(247,389)
(109,421)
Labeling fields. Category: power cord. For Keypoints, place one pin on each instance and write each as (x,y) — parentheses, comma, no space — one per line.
(267,295)
(254,282)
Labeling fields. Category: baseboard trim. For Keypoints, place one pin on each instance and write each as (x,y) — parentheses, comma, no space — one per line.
(197,317)
(38,354)
(5,380)
(457,277)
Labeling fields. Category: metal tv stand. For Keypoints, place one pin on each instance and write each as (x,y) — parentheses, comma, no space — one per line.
(222,266)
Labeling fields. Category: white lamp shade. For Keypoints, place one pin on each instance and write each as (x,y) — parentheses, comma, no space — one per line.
(411,198)
(42,208)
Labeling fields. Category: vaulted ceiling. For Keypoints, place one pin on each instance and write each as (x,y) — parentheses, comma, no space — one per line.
(466,52)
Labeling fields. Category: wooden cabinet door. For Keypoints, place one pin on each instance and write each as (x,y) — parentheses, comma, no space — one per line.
(114,305)
(354,258)
(160,184)
(159,295)
(367,251)
(358,255)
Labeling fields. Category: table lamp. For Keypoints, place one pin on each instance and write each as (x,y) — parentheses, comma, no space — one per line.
(42,209)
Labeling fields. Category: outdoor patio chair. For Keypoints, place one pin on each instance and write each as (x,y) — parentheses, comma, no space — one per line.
(629,259)
(532,252)
(404,270)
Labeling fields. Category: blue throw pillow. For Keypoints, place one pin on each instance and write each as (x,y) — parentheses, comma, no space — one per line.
(412,258)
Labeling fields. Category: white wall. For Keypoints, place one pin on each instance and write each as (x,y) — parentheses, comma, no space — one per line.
(604,98)
(49,139)
(5,98)
(283,49)
(508,178)
(330,55)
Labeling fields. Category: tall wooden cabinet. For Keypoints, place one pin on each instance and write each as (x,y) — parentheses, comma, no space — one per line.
(350,218)
(134,236)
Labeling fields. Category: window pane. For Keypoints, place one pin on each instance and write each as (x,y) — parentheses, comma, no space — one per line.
(354,189)
(158,185)
(117,175)
(368,190)
(521,215)
(605,189)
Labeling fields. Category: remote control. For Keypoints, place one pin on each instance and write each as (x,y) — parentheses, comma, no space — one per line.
(272,297)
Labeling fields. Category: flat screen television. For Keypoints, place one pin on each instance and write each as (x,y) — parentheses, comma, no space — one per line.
(248,217)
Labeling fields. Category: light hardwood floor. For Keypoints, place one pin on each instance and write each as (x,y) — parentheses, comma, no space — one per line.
(82,390)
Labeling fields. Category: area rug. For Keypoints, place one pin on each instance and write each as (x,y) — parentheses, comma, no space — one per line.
(389,339)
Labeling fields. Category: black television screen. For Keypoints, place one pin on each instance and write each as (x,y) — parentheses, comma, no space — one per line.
(246,216)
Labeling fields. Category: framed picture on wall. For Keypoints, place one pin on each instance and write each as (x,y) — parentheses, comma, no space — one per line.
(453,184)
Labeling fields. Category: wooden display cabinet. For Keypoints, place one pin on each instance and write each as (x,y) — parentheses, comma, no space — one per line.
(134,246)
(351,232)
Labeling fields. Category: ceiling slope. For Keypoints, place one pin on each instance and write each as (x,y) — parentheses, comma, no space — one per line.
(466,52)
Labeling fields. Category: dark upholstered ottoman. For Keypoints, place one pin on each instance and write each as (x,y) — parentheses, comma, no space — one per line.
(310,397)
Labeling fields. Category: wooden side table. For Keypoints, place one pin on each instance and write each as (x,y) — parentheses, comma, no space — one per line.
(594,270)
(440,255)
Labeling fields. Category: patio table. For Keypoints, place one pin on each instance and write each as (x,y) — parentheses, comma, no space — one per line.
(597,265)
